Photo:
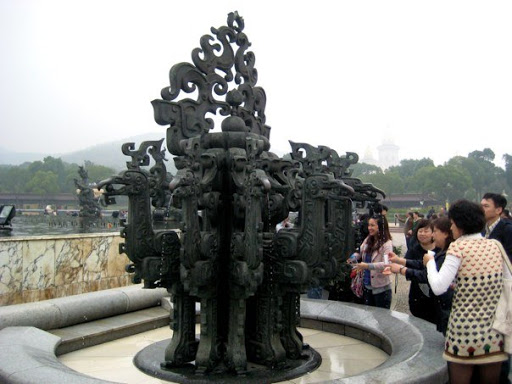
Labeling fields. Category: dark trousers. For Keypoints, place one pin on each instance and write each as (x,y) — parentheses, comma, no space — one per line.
(505,371)
(381,300)
(423,307)
(407,241)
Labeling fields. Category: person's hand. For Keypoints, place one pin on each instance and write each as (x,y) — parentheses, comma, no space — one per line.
(353,258)
(361,267)
(392,257)
(395,268)
(427,258)
(396,259)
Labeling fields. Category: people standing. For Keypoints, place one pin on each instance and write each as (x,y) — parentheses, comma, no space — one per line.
(473,261)
(421,304)
(373,252)
(497,228)
(441,304)
(443,237)
(407,227)
(415,218)
(381,209)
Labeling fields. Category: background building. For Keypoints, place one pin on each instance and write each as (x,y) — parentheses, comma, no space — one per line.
(388,154)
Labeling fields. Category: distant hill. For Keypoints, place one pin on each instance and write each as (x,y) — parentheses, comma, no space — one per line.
(110,155)
(14,158)
(107,154)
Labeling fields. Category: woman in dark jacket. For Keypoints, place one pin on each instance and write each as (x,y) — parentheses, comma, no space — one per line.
(442,239)
(441,305)
(421,303)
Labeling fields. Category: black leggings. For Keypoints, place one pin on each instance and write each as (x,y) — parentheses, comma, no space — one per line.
(469,374)
(381,300)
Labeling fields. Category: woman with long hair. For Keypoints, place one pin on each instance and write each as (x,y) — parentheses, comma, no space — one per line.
(475,263)
(373,253)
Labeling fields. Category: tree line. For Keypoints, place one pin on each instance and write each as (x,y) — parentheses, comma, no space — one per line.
(52,175)
(460,177)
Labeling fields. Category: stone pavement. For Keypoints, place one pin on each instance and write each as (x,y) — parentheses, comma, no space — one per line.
(400,301)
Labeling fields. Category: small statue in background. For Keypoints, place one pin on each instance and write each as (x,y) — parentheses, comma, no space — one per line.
(88,196)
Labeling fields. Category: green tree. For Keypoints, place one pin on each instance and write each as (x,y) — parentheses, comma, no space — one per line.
(16,180)
(43,182)
(417,183)
(96,172)
(483,173)
(388,182)
(4,171)
(57,166)
(35,166)
(508,170)
(51,175)
(363,169)
(409,167)
(487,154)
(447,182)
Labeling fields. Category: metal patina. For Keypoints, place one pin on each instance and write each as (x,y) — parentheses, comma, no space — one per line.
(233,191)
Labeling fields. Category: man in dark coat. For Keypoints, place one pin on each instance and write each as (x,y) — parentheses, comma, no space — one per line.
(500,229)
(497,228)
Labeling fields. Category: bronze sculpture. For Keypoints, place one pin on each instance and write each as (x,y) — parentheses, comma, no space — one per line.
(233,192)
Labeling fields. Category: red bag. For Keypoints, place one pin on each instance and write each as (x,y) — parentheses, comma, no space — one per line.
(357,283)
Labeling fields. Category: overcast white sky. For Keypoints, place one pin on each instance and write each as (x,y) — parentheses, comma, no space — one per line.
(433,76)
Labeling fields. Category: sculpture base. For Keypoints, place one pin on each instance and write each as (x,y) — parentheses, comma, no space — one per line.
(148,360)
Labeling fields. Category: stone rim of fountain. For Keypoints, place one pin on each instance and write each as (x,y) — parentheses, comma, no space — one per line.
(413,344)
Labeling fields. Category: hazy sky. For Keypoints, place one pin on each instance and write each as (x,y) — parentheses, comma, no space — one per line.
(435,77)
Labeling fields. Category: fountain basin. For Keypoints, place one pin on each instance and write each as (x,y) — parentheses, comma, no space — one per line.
(413,345)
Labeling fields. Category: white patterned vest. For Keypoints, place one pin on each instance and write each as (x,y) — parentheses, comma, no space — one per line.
(479,286)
